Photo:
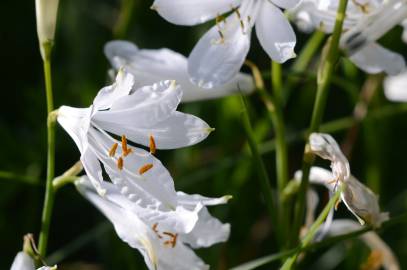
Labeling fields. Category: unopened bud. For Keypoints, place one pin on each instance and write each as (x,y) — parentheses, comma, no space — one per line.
(46,12)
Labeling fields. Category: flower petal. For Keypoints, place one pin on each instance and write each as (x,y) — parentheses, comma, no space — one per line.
(395,87)
(373,58)
(215,59)
(207,231)
(275,33)
(188,200)
(286,3)
(144,108)
(178,130)
(150,66)
(22,261)
(191,12)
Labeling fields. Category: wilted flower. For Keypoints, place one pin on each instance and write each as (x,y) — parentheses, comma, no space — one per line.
(46,12)
(358,198)
(395,87)
(145,116)
(160,241)
(220,53)
(326,147)
(381,254)
(23,261)
(150,66)
(365,22)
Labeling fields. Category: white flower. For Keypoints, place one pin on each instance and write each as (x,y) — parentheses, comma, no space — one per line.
(145,116)
(46,12)
(395,87)
(358,198)
(162,245)
(326,147)
(23,261)
(365,22)
(384,255)
(150,66)
(220,53)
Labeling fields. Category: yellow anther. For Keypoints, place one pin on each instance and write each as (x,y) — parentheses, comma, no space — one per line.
(124,144)
(129,151)
(143,169)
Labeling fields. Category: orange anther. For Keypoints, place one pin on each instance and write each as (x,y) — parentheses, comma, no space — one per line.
(173,240)
(143,169)
(124,144)
(129,151)
(112,150)
(153,147)
(120,163)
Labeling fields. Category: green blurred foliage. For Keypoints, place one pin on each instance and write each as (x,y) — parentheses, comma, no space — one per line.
(213,168)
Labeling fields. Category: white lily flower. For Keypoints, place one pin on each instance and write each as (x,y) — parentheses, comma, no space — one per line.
(326,147)
(162,245)
(23,261)
(220,53)
(358,198)
(383,254)
(150,66)
(395,87)
(145,116)
(365,22)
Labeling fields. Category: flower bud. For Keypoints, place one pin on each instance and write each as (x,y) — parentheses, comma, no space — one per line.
(46,12)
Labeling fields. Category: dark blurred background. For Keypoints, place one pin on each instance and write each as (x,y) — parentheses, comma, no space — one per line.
(80,235)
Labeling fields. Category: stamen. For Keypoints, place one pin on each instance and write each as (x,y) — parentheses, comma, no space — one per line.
(154,227)
(129,151)
(143,169)
(173,240)
(120,163)
(113,149)
(219,20)
(124,144)
(152,145)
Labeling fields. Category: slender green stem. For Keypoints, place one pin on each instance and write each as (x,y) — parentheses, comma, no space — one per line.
(261,169)
(326,68)
(277,81)
(20,178)
(125,15)
(68,177)
(313,229)
(49,192)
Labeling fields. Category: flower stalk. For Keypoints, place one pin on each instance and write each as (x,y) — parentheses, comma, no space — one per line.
(49,192)
(327,65)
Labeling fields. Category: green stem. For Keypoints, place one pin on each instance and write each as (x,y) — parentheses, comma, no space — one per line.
(261,169)
(313,229)
(125,15)
(277,81)
(49,192)
(70,176)
(326,68)
(20,178)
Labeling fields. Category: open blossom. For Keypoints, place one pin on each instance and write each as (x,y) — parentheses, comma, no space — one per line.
(146,116)
(150,66)
(365,22)
(23,261)
(161,243)
(395,87)
(381,254)
(220,53)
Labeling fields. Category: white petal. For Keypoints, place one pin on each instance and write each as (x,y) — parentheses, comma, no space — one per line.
(22,262)
(120,52)
(189,200)
(76,122)
(179,130)
(150,66)
(93,169)
(191,12)
(127,225)
(144,108)
(155,185)
(207,231)
(118,90)
(275,33)
(395,87)
(373,58)
(286,3)
(215,60)
(375,243)
(325,146)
